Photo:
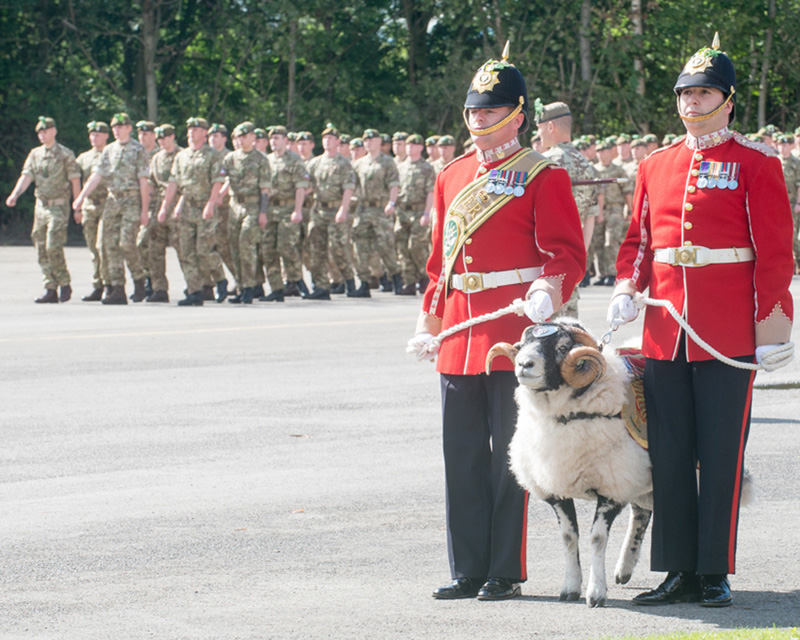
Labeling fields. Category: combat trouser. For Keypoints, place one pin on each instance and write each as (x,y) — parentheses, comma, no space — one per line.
(280,241)
(324,246)
(244,235)
(201,263)
(412,243)
(91,216)
(121,221)
(616,229)
(49,235)
(370,236)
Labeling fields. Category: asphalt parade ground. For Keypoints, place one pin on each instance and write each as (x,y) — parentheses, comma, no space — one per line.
(275,471)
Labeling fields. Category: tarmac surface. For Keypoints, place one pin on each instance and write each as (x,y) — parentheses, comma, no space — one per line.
(275,471)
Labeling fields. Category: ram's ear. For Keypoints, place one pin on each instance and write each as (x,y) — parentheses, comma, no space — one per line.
(501,349)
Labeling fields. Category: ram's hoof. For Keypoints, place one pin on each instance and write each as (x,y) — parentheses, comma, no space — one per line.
(569,596)
(596,602)
(623,578)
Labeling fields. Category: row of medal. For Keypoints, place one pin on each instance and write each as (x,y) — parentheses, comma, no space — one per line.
(507,182)
(718,175)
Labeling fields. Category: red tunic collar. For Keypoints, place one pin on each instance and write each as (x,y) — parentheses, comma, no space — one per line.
(709,140)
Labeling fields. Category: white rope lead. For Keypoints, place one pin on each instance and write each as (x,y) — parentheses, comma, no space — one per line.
(518,307)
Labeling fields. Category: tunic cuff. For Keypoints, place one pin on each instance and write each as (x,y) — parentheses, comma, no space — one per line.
(776,328)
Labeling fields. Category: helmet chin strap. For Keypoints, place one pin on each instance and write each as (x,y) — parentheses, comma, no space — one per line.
(499,125)
(704,116)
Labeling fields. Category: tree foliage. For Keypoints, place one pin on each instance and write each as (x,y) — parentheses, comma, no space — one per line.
(390,64)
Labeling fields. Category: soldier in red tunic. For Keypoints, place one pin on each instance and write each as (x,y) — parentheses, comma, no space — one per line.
(711,233)
(505,227)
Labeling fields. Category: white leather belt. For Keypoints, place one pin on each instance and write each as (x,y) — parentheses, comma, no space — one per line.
(480,281)
(702,256)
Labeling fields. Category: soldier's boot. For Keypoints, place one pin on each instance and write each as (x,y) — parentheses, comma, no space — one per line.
(290,289)
(148,287)
(237,299)
(117,296)
(139,290)
(301,286)
(361,292)
(318,294)
(374,283)
(158,296)
(66,293)
(208,292)
(423,283)
(222,290)
(108,290)
(194,299)
(587,280)
(275,296)
(408,290)
(247,295)
(94,296)
(258,291)
(397,281)
(386,285)
(49,295)
(337,287)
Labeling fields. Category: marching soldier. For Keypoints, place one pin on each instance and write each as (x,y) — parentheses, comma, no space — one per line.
(305,145)
(378,186)
(489,248)
(446,146)
(281,239)
(386,144)
(124,166)
(411,227)
(262,140)
(161,233)
(344,145)
(196,175)
(357,149)
(399,146)
(146,132)
(52,169)
(791,175)
(554,125)
(615,214)
(248,182)
(710,234)
(218,138)
(92,210)
(334,181)
(431,150)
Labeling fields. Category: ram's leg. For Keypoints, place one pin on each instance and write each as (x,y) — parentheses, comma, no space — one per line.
(629,556)
(607,511)
(568,522)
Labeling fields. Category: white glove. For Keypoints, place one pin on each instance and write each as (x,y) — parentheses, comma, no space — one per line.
(539,307)
(421,345)
(621,310)
(775,356)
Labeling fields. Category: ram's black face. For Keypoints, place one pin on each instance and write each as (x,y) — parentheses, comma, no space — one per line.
(542,350)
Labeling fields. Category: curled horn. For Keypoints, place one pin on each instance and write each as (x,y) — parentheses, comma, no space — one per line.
(584,364)
(500,349)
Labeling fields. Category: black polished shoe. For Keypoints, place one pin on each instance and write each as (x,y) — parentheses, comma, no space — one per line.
(679,586)
(275,296)
(458,588)
(716,591)
(499,589)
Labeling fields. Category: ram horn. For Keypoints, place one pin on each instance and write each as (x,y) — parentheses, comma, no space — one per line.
(583,365)
(500,349)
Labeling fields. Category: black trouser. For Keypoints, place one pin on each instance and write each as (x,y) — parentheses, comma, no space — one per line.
(486,508)
(697,413)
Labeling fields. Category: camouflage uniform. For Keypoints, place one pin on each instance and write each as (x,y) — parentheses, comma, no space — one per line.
(375,179)
(564,154)
(122,165)
(143,238)
(164,233)
(195,172)
(281,239)
(791,175)
(616,225)
(330,177)
(51,171)
(248,174)
(92,213)
(412,240)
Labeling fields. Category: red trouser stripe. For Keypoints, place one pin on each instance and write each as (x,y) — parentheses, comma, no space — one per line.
(523,552)
(737,486)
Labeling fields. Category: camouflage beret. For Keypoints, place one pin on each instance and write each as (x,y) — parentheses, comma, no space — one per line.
(581,144)
(145,125)
(218,128)
(292,135)
(431,140)
(120,118)
(369,134)
(649,138)
(330,130)
(399,136)
(96,125)
(415,138)
(756,137)
(783,138)
(446,141)
(356,142)
(305,135)
(639,142)
(345,139)
(386,138)
(603,145)
(202,123)
(44,123)
(591,139)
(623,138)
(552,111)
(278,130)
(164,130)
(262,133)
(243,128)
